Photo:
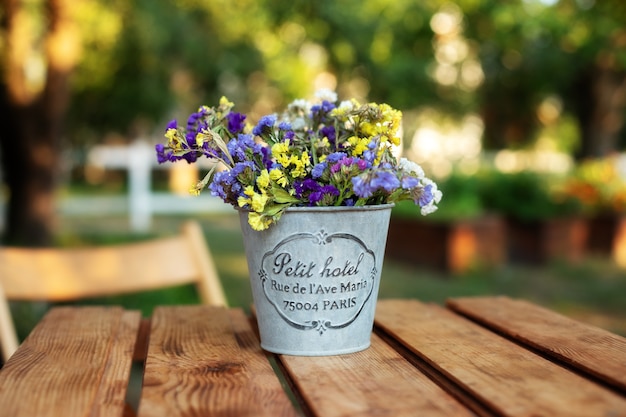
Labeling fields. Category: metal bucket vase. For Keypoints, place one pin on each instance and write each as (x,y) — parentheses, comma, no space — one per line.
(315,276)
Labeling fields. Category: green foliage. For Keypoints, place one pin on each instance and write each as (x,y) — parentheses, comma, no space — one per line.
(526,196)
(461,200)
(146,61)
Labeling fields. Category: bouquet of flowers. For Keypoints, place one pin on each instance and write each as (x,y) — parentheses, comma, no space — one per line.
(327,153)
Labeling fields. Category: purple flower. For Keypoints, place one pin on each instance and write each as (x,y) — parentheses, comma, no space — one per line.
(194,118)
(173,124)
(304,186)
(163,155)
(329,132)
(190,157)
(266,157)
(236,122)
(322,193)
(315,193)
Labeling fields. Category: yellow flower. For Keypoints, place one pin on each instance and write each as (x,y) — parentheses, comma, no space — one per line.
(195,190)
(369,129)
(225,102)
(300,165)
(258,202)
(243,201)
(284,160)
(263,180)
(279,176)
(173,140)
(359,145)
(249,191)
(281,148)
(258,222)
(200,138)
(280,152)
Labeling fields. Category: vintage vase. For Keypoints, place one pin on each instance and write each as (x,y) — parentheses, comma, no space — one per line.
(315,276)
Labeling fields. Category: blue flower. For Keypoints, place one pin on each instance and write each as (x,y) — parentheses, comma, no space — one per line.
(323,108)
(426,196)
(336,157)
(318,170)
(385,180)
(408,182)
(362,188)
(265,125)
(366,185)
(237,146)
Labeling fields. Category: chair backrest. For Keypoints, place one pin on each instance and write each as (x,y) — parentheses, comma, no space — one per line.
(64,274)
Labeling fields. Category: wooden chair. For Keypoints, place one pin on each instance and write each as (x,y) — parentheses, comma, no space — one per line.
(62,274)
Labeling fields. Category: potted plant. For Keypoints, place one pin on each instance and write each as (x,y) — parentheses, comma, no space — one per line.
(543,223)
(601,191)
(461,235)
(314,186)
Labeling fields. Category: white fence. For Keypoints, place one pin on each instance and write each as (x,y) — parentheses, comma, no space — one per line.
(139,159)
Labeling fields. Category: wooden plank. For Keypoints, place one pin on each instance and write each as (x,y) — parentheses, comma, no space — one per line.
(60,368)
(111,396)
(507,378)
(593,350)
(377,381)
(201,361)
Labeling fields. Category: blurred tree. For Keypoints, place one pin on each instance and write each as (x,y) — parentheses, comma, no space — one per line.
(144,61)
(40,49)
(597,94)
(158,59)
(531,49)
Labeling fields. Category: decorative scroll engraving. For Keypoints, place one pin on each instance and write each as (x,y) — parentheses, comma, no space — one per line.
(319,281)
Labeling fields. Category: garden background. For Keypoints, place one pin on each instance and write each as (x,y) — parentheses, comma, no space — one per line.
(516,108)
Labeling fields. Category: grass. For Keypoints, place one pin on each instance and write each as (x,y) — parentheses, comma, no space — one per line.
(593,291)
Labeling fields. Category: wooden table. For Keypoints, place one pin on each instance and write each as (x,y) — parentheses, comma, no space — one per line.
(490,356)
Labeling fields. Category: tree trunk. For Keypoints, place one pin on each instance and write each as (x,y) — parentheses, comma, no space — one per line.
(508,116)
(600,98)
(32,124)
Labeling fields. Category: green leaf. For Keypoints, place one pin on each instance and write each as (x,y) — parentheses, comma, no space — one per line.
(282,196)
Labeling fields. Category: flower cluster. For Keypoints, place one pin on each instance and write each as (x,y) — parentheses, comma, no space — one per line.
(328,153)
(598,185)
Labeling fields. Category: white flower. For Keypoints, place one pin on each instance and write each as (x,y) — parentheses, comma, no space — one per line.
(411,167)
(428,209)
(299,106)
(298,124)
(326,94)
(346,106)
